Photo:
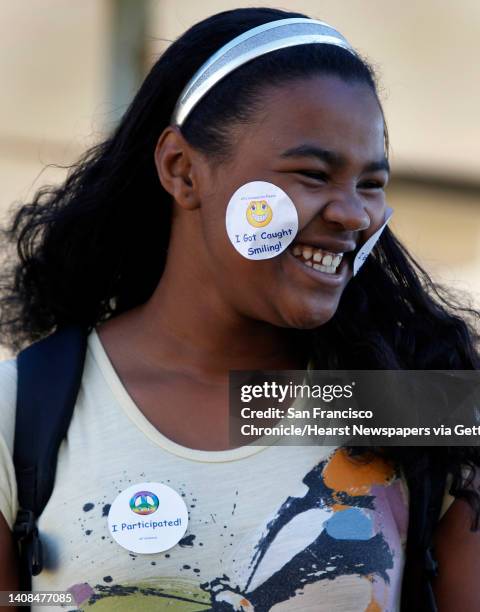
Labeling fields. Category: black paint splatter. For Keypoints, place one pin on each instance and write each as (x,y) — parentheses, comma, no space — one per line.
(187,540)
(316,561)
(88,532)
(89,506)
(105,510)
(107,579)
(124,591)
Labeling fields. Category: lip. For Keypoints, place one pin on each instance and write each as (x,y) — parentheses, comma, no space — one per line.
(327,244)
(334,281)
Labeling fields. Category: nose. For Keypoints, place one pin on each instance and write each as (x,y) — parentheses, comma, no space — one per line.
(348,211)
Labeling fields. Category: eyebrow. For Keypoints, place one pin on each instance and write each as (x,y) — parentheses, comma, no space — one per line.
(332,158)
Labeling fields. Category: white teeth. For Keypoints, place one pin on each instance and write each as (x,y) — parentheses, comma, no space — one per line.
(318,259)
(326,269)
(327,260)
(307,253)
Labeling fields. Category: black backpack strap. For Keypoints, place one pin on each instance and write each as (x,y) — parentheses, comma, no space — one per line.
(49,377)
(426,491)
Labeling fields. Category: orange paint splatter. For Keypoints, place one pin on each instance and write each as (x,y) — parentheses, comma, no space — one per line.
(373,606)
(339,507)
(356,476)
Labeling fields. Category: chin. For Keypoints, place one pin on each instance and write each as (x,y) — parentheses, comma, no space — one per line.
(307,318)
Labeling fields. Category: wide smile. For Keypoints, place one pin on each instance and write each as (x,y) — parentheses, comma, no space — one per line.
(318,259)
(325,267)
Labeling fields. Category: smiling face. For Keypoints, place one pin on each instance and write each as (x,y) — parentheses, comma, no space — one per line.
(259,213)
(321,140)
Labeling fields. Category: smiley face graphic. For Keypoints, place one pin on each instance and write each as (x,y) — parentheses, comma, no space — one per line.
(259,213)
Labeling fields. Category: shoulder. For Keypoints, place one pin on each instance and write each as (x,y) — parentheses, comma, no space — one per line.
(457,548)
(8,373)
(8,394)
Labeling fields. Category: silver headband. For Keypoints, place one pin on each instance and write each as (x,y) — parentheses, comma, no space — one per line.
(249,45)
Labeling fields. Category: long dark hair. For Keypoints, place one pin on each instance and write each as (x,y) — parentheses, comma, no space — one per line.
(95,246)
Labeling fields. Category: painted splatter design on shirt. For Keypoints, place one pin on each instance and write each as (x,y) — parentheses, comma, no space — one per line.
(350,526)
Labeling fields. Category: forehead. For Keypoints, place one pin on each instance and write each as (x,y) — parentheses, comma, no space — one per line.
(324,111)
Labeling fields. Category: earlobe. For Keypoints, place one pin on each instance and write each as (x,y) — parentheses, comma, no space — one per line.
(175,168)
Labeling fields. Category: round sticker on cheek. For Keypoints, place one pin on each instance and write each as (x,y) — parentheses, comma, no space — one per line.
(261,220)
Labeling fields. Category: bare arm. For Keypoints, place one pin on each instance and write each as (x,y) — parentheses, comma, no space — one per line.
(8,561)
(457,586)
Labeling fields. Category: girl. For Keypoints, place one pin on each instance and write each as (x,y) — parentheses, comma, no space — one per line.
(133,247)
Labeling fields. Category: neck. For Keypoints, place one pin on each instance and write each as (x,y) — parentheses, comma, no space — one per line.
(190,328)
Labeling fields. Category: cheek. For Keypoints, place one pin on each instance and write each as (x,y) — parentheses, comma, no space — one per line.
(239,276)
(212,222)
(308,204)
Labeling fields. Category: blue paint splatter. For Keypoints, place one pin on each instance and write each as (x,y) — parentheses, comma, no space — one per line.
(350,524)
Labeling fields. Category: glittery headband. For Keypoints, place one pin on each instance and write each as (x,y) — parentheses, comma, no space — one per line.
(249,45)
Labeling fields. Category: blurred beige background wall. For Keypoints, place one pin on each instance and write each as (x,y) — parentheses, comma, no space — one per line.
(68,69)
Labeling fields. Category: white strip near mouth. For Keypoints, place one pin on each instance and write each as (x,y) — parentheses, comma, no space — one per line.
(318,259)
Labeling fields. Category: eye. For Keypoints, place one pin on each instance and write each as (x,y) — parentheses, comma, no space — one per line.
(317,176)
(264,207)
(376,181)
(372,184)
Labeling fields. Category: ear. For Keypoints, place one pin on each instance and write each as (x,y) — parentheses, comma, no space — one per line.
(175,167)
